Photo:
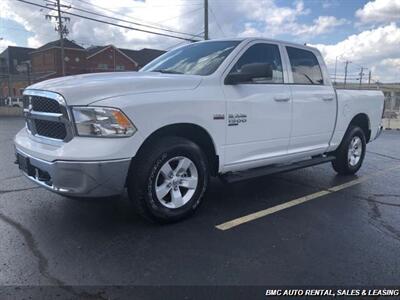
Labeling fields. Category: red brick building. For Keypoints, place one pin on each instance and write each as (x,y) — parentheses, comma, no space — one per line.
(108,59)
(45,63)
(46,60)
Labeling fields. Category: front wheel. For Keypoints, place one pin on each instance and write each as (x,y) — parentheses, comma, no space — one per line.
(168,180)
(351,152)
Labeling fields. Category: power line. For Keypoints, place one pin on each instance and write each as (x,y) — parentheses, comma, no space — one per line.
(61,29)
(180,43)
(181,15)
(216,21)
(114,12)
(127,21)
(152,5)
(113,24)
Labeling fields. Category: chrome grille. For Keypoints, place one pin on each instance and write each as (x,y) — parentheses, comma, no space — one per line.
(45,104)
(47,116)
(51,129)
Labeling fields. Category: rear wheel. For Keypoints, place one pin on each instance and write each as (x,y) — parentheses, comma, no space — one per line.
(169,180)
(351,152)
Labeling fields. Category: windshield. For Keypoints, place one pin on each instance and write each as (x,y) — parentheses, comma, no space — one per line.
(195,59)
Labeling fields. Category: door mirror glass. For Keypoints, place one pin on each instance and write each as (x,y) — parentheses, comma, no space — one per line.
(250,72)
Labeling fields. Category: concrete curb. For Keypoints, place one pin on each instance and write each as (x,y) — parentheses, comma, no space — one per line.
(8,111)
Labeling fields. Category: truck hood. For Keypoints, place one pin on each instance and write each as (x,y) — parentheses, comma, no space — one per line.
(88,88)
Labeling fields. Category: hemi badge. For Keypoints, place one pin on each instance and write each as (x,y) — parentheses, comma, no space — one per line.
(219,117)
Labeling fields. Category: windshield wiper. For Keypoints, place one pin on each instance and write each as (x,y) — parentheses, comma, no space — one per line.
(166,71)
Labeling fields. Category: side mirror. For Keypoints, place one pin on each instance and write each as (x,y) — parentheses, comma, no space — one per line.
(249,72)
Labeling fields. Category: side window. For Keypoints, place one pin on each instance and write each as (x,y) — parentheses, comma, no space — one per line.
(262,54)
(305,67)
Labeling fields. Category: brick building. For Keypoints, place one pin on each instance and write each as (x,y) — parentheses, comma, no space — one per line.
(108,59)
(14,70)
(20,66)
(143,56)
(46,60)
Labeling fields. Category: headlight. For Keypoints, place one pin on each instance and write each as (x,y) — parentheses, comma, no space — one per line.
(102,122)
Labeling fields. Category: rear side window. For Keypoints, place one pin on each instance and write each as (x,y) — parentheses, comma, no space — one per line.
(262,53)
(305,67)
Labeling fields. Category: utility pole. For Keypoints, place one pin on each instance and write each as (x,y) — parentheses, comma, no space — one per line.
(362,74)
(9,72)
(206,19)
(335,69)
(369,78)
(345,72)
(61,29)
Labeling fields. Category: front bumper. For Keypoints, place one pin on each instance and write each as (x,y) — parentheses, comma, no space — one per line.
(78,178)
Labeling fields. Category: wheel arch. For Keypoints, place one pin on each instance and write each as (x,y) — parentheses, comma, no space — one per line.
(362,120)
(192,132)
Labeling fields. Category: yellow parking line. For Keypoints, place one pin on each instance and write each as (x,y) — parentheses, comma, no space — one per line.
(274,209)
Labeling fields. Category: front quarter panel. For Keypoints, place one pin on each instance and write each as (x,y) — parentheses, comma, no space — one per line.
(152,111)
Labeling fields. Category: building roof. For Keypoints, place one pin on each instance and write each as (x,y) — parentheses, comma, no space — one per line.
(12,56)
(67,44)
(94,49)
(17,51)
(143,56)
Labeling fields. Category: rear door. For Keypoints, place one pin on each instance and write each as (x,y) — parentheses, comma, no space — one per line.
(314,102)
(259,111)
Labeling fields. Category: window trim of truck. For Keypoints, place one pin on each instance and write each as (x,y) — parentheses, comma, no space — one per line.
(245,47)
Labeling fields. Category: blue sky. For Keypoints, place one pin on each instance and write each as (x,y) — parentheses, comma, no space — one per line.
(14,31)
(366,32)
(340,9)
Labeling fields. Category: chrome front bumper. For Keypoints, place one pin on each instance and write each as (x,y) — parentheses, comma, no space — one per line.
(78,178)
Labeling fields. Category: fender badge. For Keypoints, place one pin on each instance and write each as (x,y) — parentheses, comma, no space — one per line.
(219,117)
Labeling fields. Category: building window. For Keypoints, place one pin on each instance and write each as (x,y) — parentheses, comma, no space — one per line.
(120,68)
(102,66)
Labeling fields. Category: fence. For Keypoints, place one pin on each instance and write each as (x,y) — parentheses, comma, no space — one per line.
(391,116)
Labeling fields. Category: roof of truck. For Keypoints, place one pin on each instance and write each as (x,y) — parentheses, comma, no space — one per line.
(249,39)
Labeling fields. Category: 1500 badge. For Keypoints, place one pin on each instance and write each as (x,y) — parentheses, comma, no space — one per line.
(236,119)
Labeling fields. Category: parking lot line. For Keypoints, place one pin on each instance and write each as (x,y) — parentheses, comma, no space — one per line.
(265,212)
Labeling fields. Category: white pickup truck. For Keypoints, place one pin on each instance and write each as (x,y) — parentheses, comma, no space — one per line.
(235,108)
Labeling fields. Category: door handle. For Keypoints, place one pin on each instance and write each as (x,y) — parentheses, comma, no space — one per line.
(327,98)
(281,99)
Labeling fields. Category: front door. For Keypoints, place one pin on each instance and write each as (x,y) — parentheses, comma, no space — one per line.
(258,111)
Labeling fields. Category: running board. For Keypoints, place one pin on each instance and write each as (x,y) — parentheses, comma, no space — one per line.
(232,177)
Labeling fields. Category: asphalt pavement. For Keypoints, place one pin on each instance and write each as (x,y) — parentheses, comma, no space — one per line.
(348,236)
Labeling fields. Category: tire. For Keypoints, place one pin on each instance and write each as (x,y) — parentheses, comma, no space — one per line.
(149,181)
(351,152)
